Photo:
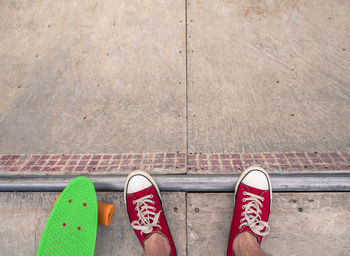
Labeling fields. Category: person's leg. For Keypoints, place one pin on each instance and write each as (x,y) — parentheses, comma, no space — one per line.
(157,245)
(251,212)
(245,244)
(144,207)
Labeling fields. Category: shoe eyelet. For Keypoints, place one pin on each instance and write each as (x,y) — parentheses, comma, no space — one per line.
(153,202)
(136,208)
(262,199)
(243,206)
(151,196)
(134,202)
(243,200)
(244,193)
(241,221)
(242,214)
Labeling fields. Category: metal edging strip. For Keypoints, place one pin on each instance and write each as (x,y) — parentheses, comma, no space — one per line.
(281,182)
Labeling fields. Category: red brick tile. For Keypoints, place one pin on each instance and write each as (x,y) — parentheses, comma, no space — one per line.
(65,157)
(345,154)
(180,160)
(237,162)
(297,167)
(193,162)
(117,156)
(203,162)
(214,162)
(40,162)
(331,167)
(335,154)
(303,155)
(281,161)
(55,157)
(70,168)
(169,161)
(267,155)
(226,162)
(96,157)
(191,157)
(248,162)
(304,161)
(259,162)
(126,162)
(76,157)
(247,156)
(93,163)
(147,161)
(158,161)
(72,163)
(137,156)
(204,168)
(316,160)
(214,156)
(158,166)
(257,156)
(137,161)
(61,162)
(6,157)
(101,169)
(148,156)
(52,162)
(224,156)
(79,169)
(290,155)
(86,157)
(15,157)
(83,162)
(324,155)
(236,156)
(170,155)
(203,157)
(312,154)
(104,162)
(159,156)
(36,168)
(180,155)
(327,160)
(44,157)
(279,155)
(293,160)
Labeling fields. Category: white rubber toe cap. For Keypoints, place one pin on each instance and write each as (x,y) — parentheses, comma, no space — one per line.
(256,179)
(137,183)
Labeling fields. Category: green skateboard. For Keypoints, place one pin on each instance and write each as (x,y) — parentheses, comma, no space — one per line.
(72,225)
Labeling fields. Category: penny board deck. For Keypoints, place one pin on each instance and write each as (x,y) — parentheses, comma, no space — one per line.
(72,225)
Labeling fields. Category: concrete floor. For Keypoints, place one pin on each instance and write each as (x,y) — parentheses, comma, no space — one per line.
(183,75)
(105,77)
(301,224)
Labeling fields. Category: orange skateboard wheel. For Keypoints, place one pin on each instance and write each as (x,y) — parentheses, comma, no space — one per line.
(57,198)
(105,213)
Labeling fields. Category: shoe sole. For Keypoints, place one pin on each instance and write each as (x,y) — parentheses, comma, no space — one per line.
(147,176)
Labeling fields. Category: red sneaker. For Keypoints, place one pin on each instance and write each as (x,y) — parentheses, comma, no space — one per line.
(144,207)
(252,205)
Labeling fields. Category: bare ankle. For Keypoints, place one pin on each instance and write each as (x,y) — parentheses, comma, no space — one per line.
(246,244)
(157,245)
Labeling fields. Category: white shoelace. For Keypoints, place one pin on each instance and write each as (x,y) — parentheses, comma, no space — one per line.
(148,219)
(251,215)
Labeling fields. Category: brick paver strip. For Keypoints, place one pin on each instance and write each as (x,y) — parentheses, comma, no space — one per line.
(165,162)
